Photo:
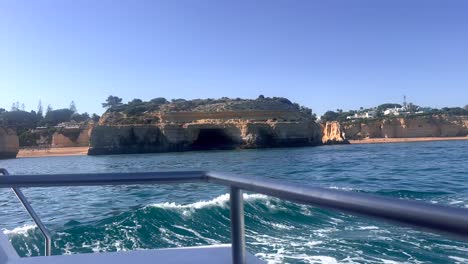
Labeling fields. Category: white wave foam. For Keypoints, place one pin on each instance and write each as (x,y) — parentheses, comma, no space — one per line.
(323,259)
(279,257)
(368,228)
(459,260)
(22,230)
(341,188)
(217,201)
(197,234)
(453,202)
(387,261)
(281,226)
(324,232)
(312,244)
(453,247)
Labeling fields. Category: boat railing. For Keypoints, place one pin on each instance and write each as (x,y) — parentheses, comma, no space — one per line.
(19,194)
(430,217)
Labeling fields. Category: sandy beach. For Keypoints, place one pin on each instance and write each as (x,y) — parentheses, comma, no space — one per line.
(52,152)
(78,151)
(399,140)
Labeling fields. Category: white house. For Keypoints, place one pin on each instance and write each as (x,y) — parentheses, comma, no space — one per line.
(365,115)
(396,111)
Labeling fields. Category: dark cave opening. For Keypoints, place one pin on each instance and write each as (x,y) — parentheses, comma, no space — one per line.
(213,138)
(265,138)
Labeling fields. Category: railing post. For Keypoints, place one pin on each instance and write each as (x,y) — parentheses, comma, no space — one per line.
(34,216)
(237,226)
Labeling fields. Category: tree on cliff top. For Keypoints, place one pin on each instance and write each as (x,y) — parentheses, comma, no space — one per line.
(159,101)
(330,116)
(49,109)
(40,111)
(19,119)
(112,101)
(73,107)
(80,117)
(55,117)
(95,118)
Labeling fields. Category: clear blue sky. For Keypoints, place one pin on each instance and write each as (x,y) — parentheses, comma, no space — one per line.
(321,54)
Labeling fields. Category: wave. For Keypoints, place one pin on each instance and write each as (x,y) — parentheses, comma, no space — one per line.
(22,230)
(221,200)
(276,231)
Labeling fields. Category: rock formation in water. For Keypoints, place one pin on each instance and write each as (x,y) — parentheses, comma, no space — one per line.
(408,127)
(332,133)
(9,143)
(205,124)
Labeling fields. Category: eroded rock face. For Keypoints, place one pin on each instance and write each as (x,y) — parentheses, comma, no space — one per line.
(332,133)
(183,133)
(281,134)
(424,126)
(9,143)
(71,138)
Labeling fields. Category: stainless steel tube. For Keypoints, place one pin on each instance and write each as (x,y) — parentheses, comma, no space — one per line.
(237,226)
(34,216)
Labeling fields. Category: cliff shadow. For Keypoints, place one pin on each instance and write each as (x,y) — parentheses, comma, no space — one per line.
(213,138)
(265,138)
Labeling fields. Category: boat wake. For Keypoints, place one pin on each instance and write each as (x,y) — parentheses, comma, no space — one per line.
(276,231)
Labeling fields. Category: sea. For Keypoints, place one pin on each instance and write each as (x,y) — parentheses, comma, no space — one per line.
(138,217)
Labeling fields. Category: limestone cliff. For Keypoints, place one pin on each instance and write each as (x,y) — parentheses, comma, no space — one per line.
(201,135)
(332,133)
(71,137)
(419,126)
(9,143)
(181,125)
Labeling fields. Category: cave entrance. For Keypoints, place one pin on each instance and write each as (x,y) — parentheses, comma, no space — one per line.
(265,139)
(213,138)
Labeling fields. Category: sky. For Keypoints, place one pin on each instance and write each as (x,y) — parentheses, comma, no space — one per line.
(322,54)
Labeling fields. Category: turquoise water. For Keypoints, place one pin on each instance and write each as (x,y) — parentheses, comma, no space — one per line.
(95,219)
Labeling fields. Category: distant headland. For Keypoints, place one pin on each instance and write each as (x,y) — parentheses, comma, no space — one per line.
(160,125)
(181,125)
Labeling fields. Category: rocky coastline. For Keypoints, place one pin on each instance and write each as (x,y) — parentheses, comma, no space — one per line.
(204,124)
(218,124)
(203,134)
(436,126)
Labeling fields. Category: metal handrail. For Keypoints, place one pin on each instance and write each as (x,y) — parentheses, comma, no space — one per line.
(433,217)
(19,194)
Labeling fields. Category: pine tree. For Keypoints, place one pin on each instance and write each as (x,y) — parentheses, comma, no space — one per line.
(112,101)
(73,107)
(39,109)
(49,109)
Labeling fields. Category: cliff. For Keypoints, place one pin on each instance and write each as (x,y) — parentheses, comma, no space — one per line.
(202,135)
(332,133)
(412,127)
(9,143)
(71,137)
(204,124)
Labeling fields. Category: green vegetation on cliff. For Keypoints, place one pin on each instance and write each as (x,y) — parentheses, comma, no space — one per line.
(26,123)
(139,111)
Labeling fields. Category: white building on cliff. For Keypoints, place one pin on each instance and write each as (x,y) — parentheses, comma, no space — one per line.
(396,111)
(364,115)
